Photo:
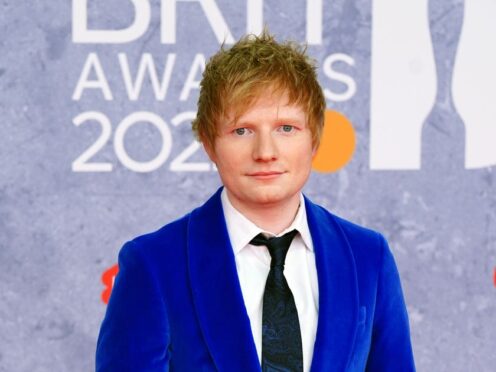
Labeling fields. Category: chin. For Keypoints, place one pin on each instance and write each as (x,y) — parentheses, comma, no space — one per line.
(270,197)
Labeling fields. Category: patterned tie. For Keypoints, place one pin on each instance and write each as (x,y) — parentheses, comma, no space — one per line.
(281,337)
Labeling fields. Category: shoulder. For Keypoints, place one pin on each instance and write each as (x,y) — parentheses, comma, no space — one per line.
(369,247)
(169,242)
(365,244)
(355,231)
(177,230)
(158,245)
(172,231)
(352,231)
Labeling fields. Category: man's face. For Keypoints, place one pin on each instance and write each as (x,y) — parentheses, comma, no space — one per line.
(265,157)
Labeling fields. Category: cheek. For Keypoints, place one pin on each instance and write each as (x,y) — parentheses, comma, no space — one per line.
(234,153)
(302,157)
(228,161)
(305,167)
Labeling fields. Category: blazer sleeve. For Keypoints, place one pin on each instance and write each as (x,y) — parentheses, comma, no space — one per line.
(391,348)
(135,334)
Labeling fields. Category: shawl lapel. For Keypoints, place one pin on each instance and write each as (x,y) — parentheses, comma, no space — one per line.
(216,290)
(338,291)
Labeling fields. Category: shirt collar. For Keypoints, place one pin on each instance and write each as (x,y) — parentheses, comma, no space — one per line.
(241,230)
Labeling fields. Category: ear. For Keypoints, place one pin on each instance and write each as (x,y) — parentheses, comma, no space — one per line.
(314,151)
(209,150)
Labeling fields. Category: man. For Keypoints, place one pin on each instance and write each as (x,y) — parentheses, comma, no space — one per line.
(258,277)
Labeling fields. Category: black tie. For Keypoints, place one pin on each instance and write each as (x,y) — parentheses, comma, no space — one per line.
(281,336)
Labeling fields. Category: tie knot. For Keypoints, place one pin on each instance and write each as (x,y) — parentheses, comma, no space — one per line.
(277,246)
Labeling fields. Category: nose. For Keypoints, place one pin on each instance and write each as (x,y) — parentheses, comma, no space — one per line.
(265,148)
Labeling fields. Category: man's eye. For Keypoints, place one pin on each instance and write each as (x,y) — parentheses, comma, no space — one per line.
(242,131)
(287,128)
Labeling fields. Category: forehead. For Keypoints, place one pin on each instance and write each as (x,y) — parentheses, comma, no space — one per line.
(266,105)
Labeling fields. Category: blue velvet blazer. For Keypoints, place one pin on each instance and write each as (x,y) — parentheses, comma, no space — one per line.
(177,304)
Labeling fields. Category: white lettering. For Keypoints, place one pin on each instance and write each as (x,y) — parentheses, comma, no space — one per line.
(254,16)
(212,12)
(147,65)
(81,34)
(347,80)
(314,22)
(92,63)
(180,163)
(120,133)
(81,164)
(190,83)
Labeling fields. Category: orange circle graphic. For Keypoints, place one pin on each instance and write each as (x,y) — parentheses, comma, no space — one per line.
(337,144)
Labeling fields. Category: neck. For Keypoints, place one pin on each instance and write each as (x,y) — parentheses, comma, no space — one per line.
(272,217)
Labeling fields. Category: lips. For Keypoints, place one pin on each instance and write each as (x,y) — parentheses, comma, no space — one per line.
(265,175)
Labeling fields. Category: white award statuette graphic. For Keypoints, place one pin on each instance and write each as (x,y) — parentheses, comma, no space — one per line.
(403,82)
(474,82)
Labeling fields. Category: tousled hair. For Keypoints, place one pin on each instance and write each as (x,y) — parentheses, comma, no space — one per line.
(235,77)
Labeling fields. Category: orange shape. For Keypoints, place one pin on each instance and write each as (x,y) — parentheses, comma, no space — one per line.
(108,280)
(337,144)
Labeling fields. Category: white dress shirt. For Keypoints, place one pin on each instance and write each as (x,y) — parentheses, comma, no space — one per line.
(253,265)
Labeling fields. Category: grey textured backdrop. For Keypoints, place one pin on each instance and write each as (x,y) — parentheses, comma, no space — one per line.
(61,229)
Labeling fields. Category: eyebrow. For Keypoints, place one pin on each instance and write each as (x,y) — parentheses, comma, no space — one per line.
(281,120)
(241,120)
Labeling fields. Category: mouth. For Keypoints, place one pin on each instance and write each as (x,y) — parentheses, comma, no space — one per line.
(265,175)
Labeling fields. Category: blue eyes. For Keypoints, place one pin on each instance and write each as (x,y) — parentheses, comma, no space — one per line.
(240,131)
(286,128)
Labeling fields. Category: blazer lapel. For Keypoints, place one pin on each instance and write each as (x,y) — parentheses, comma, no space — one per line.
(338,291)
(216,290)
